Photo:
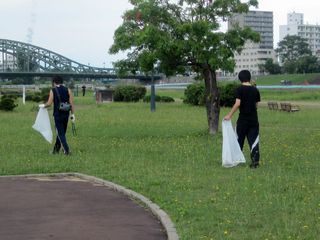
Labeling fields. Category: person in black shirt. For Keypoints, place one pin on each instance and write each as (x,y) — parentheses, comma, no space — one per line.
(247,98)
(58,94)
(83,90)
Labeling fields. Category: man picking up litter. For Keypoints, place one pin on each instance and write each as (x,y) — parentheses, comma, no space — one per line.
(62,100)
(247,98)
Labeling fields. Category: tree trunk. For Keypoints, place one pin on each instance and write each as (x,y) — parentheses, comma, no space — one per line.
(212,99)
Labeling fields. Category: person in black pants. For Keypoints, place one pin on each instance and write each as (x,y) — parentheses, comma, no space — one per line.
(247,98)
(83,90)
(59,94)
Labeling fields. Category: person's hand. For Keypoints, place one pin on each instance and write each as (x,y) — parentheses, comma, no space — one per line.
(42,105)
(73,118)
(227,117)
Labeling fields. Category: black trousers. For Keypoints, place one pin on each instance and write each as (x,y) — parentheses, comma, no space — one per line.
(61,123)
(251,132)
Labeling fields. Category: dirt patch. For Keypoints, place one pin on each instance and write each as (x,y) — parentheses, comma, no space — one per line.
(315,81)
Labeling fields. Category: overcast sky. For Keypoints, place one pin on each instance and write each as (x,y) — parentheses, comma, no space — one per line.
(83,29)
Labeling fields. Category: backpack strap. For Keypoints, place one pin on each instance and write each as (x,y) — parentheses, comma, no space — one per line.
(58,94)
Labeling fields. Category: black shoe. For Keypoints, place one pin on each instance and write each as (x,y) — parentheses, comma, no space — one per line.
(67,153)
(254,165)
(55,151)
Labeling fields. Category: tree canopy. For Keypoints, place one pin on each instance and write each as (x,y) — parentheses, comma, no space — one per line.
(174,36)
(295,55)
(270,67)
(291,48)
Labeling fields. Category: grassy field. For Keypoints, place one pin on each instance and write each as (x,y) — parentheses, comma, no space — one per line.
(266,95)
(169,157)
(294,78)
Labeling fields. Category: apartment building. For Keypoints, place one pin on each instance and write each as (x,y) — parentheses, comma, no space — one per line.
(295,26)
(255,54)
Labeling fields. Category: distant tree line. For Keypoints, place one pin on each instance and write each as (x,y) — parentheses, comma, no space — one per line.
(296,57)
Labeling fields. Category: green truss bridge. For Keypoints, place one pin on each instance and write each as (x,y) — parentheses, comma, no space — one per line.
(20,59)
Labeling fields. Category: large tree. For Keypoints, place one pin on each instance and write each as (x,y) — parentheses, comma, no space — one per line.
(176,35)
(270,67)
(308,64)
(290,50)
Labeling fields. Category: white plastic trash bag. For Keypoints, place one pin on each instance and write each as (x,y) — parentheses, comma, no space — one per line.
(231,152)
(42,124)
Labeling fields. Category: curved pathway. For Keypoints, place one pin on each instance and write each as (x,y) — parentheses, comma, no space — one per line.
(73,208)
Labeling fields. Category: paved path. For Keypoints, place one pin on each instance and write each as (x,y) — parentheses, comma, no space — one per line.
(71,209)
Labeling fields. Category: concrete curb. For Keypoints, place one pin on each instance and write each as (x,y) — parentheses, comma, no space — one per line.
(154,208)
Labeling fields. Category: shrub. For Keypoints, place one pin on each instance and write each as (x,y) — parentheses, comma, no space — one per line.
(29,97)
(41,96)
(44,94)
(166,99)
(228,94)
(36,97)
(7,103)
(12,95)
(148,98)
(194,94)
(129,93)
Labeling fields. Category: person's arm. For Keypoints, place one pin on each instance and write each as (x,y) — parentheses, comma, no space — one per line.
(258,99)
(233,109)
(71,101)
(49,102)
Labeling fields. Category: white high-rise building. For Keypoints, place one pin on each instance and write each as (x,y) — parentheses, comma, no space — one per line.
(255,54)
(296,26)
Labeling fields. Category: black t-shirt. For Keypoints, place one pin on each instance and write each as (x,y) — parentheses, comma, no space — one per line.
(249,96)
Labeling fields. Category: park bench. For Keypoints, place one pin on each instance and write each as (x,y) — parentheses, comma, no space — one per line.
(273,105)
(288,107)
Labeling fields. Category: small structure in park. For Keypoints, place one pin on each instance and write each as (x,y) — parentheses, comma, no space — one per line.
(105,95)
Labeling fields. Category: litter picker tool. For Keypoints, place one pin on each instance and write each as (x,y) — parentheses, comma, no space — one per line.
(74,130)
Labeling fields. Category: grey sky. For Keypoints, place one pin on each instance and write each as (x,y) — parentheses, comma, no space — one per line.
(83,29)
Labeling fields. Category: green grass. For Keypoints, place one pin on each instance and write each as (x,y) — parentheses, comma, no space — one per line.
(290,95)
(177,94)
(294,78)
(168,157)
(266,94)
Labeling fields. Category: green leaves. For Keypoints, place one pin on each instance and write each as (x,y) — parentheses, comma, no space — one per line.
(294,53)
(293,47)
(181,35)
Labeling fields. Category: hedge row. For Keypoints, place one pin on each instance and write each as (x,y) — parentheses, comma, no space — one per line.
(41,96)
(158,98)
(129,93)
(7,102)
(133,93)
(195,94)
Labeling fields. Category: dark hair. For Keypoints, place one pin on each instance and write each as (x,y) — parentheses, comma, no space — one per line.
(57,79)
(244,76)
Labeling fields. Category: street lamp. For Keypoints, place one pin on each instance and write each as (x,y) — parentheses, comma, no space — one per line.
(153,90)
